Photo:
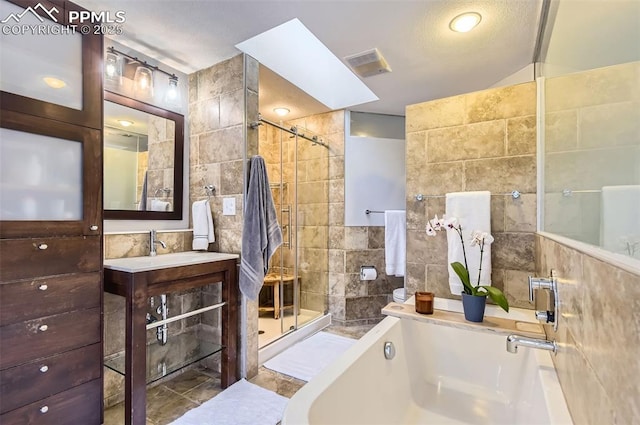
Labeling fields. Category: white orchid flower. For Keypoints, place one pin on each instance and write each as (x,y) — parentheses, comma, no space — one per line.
(451,223)
(429,229)
(481,238)
(476,238)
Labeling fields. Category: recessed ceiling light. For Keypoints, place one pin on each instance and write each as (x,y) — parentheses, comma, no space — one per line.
(281,111)
(465,22)
(125,123)
(54,83)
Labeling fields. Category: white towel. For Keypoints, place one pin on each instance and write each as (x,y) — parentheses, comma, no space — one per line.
(620,219)
(202,225)
(473,211)
(158,205)
(395,242)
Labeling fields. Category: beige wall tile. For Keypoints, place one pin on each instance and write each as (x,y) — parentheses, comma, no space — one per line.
(480,140)
(513,251)
(520,214)
(521,135)
(606,85)
(502,175)
(220,145)
(356,237)
(607,125)
(598,378)
(560,131)
(435,114)
(439,179)
(438,281)
(503,102)
(588,169)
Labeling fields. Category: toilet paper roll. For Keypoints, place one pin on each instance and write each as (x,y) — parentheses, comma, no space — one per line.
(368,273)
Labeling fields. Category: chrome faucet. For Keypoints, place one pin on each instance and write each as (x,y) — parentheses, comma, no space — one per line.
(152,244)
(514,341)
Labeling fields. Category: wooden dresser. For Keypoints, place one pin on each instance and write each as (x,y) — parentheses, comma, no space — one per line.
(51,236)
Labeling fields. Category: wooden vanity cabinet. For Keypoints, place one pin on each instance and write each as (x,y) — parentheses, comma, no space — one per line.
(51,279)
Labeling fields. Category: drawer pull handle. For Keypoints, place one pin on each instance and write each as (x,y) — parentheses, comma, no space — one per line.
(44,369)
(43,246)
(44,409)
(43,287)
(43,328)
(93,227)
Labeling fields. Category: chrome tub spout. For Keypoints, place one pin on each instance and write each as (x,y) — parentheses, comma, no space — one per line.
(515,341)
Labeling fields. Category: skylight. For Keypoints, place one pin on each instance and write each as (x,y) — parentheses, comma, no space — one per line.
(293,52)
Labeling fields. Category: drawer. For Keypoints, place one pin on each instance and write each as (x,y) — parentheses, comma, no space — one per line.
(81,405)
(39,379)
(26,258)
(33,298)
(34,339)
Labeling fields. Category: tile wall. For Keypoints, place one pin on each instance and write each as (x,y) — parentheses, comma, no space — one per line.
(478,141)
(598,334)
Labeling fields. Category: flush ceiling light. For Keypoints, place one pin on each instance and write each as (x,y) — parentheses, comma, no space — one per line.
(465,22)
(54,83)
(281,111)
(125,123)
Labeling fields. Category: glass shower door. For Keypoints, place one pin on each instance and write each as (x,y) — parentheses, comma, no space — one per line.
(296,286)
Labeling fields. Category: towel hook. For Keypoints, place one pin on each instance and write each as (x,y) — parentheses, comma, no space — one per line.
(210,190)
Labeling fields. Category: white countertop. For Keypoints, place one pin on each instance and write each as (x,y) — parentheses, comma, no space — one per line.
(165,261)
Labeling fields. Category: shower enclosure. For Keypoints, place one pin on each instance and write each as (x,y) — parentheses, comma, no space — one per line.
(296,286)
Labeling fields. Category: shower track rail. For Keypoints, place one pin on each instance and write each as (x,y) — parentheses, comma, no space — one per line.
(184,315)
(292,130)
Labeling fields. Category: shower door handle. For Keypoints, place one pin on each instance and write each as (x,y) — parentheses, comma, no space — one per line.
(287,226)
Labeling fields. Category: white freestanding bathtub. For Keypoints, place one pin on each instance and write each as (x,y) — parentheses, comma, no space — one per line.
(439,375)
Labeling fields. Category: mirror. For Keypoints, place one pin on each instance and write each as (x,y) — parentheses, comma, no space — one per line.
(143,160)
(592,126)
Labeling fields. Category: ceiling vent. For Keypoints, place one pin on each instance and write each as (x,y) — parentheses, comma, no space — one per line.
(368,63)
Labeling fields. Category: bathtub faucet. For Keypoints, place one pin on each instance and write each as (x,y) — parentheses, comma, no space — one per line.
(514,341)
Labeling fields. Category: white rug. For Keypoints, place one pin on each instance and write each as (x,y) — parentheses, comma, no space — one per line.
(243,403)
(309,357)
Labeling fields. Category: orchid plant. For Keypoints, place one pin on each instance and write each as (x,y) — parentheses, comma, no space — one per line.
(479,239)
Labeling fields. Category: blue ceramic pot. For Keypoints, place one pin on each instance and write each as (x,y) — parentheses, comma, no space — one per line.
(473,307)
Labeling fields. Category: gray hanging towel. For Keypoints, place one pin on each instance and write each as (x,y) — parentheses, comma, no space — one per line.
(143,196)
(261,233)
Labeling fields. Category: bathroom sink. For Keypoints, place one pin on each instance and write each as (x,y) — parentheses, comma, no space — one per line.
(165,261)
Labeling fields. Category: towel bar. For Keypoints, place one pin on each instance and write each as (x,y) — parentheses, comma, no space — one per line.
(515,194)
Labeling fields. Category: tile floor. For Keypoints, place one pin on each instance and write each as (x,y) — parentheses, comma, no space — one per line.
(171,399)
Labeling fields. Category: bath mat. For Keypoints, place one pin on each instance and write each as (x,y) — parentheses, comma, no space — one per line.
(309,357)
(243,403)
